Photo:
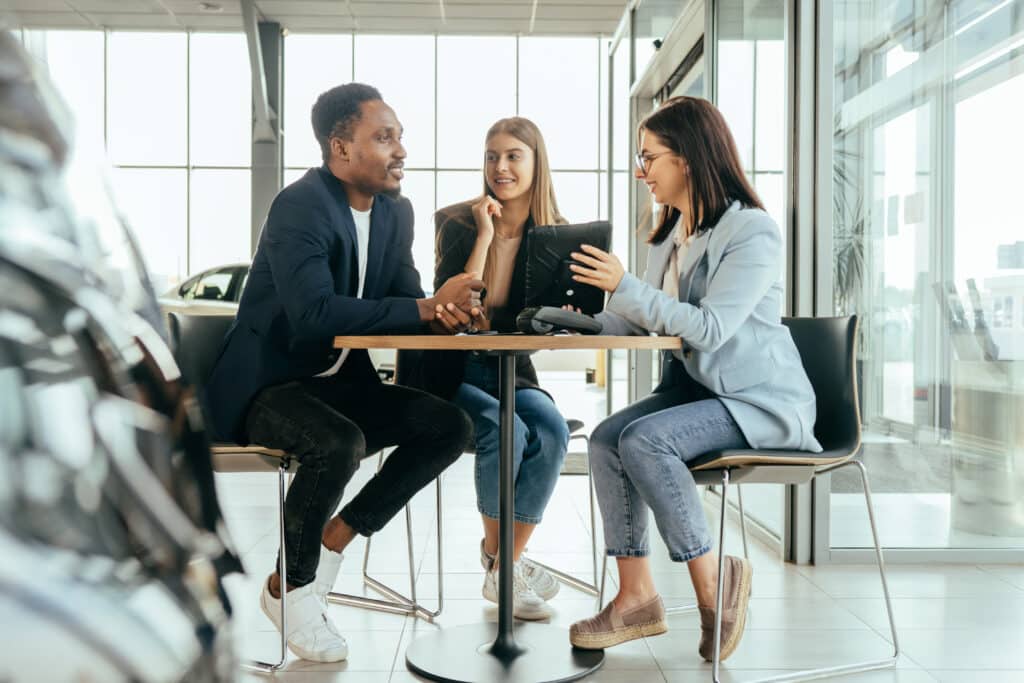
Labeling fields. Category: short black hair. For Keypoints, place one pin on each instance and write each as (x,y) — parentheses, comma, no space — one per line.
(337,110)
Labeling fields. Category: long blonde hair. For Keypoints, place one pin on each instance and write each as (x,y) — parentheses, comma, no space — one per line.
(543,206)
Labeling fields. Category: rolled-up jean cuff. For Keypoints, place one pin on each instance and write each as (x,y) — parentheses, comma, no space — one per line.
(361,526)
(632,552)
(522,519)
(693,554)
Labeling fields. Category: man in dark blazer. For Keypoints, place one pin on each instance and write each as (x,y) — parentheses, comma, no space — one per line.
(335,258)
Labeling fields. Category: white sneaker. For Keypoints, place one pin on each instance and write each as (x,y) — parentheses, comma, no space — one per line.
(326,572)
(311,635)
(526,604)
(541,580)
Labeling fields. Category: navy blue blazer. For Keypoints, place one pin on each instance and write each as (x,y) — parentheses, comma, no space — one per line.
(301,292)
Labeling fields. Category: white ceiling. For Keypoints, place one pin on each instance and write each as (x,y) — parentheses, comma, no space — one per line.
(536,17)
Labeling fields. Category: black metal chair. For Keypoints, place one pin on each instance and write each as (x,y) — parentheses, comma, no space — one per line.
(828,350)
(197,340)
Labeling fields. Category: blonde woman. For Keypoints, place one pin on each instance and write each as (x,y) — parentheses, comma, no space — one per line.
(487,235)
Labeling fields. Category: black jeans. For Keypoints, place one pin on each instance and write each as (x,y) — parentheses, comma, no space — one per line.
(330,424)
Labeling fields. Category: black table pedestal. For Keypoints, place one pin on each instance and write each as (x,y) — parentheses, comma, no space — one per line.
(483,653)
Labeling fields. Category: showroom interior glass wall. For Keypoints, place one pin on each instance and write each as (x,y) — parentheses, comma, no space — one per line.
(899,214)
(896,211)
(182,173)
(927,246)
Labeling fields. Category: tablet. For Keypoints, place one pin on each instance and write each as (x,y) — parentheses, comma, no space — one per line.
(549,251)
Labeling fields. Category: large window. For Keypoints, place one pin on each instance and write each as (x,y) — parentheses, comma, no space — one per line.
(751,95)
(447,91)
(175,120)
(928,251)
(172,111)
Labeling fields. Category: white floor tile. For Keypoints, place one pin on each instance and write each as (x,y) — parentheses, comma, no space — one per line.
(944,613)
(368,651)
(321,677)
(1011,573)
(777,649)
(786,614)
(975,650)
(960,676)
(731,675)
(957,623)
(910,581)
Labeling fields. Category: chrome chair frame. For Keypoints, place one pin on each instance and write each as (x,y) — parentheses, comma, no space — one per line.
(409,605)
(229,458)
(396,602)
(828,352)
(233,458)
(567,578)
(795,474)
(197,339)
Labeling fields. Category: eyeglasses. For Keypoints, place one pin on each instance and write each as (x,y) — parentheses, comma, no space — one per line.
(643,162)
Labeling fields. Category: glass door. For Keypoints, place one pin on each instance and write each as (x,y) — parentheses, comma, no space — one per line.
(928,249)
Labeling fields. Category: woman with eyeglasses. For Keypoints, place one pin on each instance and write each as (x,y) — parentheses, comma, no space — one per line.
(713,279)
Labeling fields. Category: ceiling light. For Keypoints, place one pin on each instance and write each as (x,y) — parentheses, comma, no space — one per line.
(211,7)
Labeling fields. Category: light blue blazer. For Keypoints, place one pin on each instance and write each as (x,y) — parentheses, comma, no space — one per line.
(729,317)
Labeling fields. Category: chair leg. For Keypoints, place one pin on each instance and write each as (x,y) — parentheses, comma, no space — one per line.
(888,662)
(440,553)
(878,557)
(593,515)
(264,667)
(396,602)
(717,651)
(743,522)
(564,577)
(684,609)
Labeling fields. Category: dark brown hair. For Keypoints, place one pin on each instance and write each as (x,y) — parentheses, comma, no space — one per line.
(694,129)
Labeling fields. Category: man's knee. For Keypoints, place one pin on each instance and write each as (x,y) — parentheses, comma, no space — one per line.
(343,446)
(454,425)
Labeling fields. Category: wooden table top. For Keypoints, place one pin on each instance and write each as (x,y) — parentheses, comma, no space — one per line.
(504,342)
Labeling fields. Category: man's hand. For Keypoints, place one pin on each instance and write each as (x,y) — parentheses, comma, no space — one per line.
(463,290)
(451,319)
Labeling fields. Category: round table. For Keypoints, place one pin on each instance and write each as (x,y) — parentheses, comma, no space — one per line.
(508,652)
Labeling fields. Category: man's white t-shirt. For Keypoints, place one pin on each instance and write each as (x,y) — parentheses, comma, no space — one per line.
(362,221)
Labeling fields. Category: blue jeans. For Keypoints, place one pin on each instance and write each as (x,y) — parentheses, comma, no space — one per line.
(541,439)
(639,457)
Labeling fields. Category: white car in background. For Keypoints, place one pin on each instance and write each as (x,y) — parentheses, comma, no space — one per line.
(218,290)
(215,291)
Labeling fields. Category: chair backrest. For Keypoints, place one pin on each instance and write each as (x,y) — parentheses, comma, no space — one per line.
(197,340)
(828,349)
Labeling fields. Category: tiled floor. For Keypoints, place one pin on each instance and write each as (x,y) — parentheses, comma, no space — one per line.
(957,624)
